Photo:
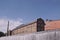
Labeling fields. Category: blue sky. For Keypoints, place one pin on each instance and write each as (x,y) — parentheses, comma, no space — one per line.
(29,10)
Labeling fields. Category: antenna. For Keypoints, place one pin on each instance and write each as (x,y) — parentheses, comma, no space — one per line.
(8,28)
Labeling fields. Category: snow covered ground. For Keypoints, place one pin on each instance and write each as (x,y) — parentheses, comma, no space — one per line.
(46,35)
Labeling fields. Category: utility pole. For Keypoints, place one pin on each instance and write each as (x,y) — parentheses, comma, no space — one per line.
(8,29)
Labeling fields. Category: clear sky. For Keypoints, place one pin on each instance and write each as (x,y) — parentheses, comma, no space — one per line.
(28,10)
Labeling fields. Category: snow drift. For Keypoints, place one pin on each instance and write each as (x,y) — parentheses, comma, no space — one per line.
(45,35)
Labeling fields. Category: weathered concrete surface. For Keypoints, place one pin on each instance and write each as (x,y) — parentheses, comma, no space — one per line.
(45,35)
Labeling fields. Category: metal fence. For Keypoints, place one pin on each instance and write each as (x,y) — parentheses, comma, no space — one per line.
(45,35)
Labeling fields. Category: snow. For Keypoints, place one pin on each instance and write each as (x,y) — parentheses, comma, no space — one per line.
(46,35)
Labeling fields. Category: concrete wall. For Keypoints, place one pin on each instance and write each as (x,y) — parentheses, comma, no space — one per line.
(46,35)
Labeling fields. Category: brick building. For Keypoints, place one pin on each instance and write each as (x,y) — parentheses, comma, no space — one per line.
(52,24)
(36,26)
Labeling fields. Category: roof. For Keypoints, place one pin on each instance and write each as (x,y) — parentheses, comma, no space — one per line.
(23,25)
(49,22)
(54,20)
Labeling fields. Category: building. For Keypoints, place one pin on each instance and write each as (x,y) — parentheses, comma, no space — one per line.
(37,26)
(52,24)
